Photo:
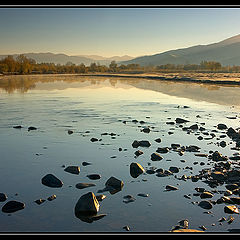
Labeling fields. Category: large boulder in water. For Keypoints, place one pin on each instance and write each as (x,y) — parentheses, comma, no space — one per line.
(87,204)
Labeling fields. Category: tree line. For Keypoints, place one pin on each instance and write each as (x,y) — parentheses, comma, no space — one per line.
(23,65)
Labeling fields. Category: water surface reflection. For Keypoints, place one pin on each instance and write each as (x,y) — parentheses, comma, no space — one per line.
(215,93)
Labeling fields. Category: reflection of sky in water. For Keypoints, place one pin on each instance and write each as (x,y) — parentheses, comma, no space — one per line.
(90,110)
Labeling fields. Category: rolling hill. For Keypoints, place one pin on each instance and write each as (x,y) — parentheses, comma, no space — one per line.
(227,52)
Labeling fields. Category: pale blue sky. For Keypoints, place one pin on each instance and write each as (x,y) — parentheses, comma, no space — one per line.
(112,31)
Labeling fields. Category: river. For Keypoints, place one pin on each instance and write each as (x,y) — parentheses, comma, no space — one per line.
(115,111)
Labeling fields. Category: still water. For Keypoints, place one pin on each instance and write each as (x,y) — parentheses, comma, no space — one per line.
(89,107)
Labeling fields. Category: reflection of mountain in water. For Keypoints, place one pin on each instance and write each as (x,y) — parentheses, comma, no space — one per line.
(225,95)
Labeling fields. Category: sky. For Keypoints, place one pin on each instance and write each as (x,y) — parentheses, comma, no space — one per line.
(113,31)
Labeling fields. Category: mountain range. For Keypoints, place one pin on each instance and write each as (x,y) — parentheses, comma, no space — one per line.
(63,58)
(227,52)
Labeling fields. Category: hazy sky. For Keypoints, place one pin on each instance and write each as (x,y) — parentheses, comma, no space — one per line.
(113,31)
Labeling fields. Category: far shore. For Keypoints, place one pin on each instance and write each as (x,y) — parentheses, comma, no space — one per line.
(208,78)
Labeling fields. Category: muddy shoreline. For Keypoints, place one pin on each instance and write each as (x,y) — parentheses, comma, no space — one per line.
(174,78)
(202,78)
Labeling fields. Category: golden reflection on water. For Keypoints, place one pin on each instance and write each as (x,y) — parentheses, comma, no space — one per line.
(220,94)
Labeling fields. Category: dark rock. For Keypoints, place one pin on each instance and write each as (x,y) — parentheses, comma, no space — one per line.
(128,199)
(193,127)
(86,163)
(232,187)
(150,171)
(32,128)
(13,206)
(87,203)
(231,209)
(138,153)
(52,197)
(158,140)
(206,195)
(144,143)
(84,185)
(143,194)
(205,204)
(127,228)
(93,139)
(94,176)
(235,200)
(156,157)
(171,188)
(192,148)
(180,120)
(221,126)
(3,197)
(135,144)
(223,144)
(114,183)
(40,201)
(162,150)
(174,169)
(175,145)
(72,169)
(216,156)
(146,130)
(136,169)
(51,181)
(17,127)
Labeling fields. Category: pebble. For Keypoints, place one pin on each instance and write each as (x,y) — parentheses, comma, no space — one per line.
(156,157)
(171,188)
(84,185)
(52,197)
(143,194)
(40,201)
(86,163)
(128,199)
(93,139)
(94,176)
(3,197)
(32,128)
(127,228)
